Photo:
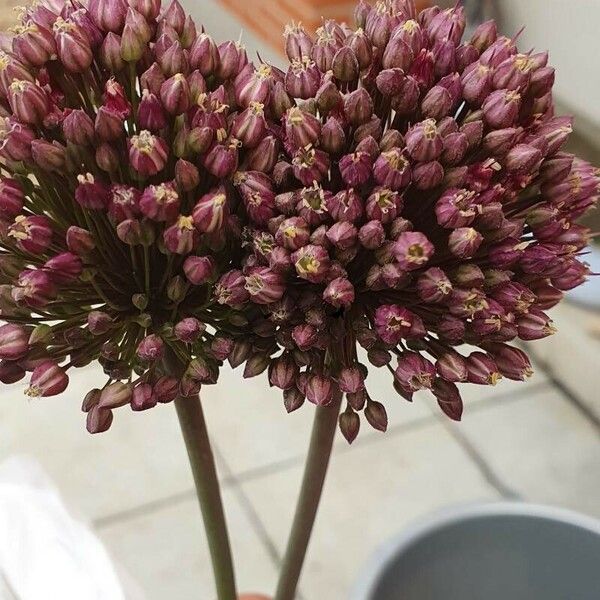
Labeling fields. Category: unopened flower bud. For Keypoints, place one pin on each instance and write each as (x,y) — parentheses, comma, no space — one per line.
(151,348)
(376,415)
(47,379)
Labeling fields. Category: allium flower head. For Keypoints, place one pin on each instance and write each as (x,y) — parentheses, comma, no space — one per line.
(425,202)
(123,130)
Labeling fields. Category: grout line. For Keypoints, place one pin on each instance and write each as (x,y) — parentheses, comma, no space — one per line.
(230,480)
(484,468)
(253,516)
(568,395)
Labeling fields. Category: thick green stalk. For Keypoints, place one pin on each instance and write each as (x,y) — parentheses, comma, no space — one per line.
(193,427)
(315,470)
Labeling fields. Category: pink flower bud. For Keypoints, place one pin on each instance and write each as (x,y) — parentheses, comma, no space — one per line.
(11,198)
(319,390)
(223,159)
(47,379)
(333,138)
(72,45)
(512,362)
(484,36)
(92,194)
(210,211)
(107,158)
(376,415)
(302,129)
(464,242)
(283,372)
(456,208)
(423,141)
(523,159)
(151,348)
(31,234)
(204,55)
(231,289)
(79,241)
(342,235)
(256,365)
(477,83)
(160,202)
(351,380)
(16,140)
(181,237)
(34,288)
(392,323)
(250,125)
(50,156)
(448,398)
(199,269)
(339,293)
(110,53)
(10,372)
(358,107)
(302,79)
(345,65)
(166,389)
(14,342)
(115,395)
(298,43)
(305,336)
(383,205)
(392,170)
(501,108)
(355,168)
(264,285)
(482,369)
(371,235)
(109,15)
(188,330)
(254,85)
(28,101)
(451,366)
(33,44)
(233,59)
(147,153)
(99,322)
(312,263)
(413,250)
(64,268)
(293,233)
(535,325)
(123,203)
(175,94)
(78,128)
(414,372)
(143,397)
(349,425)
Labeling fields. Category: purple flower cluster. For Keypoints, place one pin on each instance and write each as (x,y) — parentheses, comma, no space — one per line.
(164,201)
(121,129)
(421,203)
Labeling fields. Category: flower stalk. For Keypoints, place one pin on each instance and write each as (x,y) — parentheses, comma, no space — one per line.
(315,471)
(195,435)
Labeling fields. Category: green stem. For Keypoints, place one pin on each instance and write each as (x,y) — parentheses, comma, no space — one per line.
(193,427)
(315,470)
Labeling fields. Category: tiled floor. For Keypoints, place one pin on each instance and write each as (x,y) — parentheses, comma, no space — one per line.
(133,484)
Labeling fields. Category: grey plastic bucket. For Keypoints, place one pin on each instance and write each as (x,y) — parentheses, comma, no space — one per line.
(502,551)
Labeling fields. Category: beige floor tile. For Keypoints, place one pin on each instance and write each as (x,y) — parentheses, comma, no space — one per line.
(372,492)
(165,551)
(140,459)
(542,448)
(253,431)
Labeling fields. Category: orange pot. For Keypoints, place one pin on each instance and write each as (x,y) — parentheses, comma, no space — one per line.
(254,597)
(269,17)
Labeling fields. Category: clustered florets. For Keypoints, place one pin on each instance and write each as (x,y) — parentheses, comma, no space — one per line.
(167,205)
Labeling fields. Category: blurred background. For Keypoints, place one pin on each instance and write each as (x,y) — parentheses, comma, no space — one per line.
(537,442)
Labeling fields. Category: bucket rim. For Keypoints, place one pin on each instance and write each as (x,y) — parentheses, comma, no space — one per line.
(423,526)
